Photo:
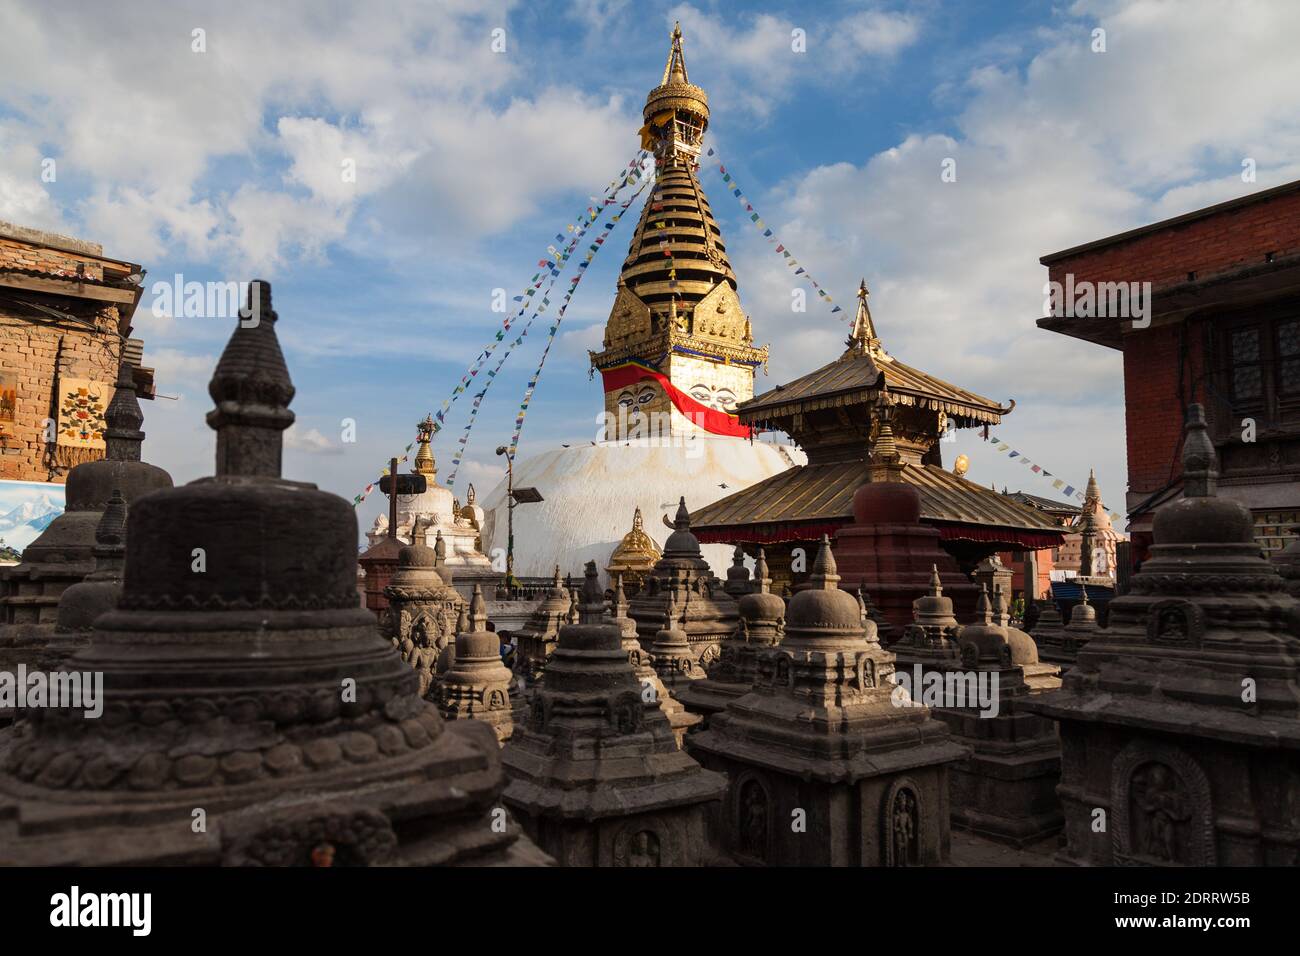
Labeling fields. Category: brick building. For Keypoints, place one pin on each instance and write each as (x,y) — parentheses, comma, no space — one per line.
(1224,330)
(65,320)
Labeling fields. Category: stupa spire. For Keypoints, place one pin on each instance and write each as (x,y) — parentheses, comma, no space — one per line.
(123,418)
(863,338)
(675,70)
(1200,463)
(424,461)
(252,391)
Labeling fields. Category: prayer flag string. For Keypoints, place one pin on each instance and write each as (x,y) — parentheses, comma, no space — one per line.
(631,173)
(559,317)
(774,240)
(1070,491)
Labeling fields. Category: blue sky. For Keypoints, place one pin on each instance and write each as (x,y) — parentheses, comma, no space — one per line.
(224,165)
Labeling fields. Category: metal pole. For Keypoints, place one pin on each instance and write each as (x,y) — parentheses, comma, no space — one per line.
(392,499)
(510,520)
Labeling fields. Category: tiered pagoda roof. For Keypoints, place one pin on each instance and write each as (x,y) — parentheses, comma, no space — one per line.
(834,414)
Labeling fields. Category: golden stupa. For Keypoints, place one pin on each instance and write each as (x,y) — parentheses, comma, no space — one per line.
(678,355)
(678,341)
(634,558)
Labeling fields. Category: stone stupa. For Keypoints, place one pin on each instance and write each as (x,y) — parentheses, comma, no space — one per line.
(705,611)
(423,609)
(821,737)
(1180,722)
(596,777)
(653,691)
(252,715)
(63,554)
(762,623)
(477,685)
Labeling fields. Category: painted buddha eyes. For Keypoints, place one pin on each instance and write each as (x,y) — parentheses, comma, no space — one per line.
(632,402)
(723,398)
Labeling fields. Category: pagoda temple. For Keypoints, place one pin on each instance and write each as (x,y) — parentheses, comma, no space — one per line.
(678,356)
(834,415)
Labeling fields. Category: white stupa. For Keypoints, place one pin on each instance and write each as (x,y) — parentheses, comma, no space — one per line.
(678,356)
(442,515)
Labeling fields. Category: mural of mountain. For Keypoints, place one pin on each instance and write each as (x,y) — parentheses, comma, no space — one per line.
(20,523)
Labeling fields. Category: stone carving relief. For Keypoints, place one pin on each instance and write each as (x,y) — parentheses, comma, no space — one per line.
(901,823)
(1160,804)
(753,818)
(1176,624)
(639,848)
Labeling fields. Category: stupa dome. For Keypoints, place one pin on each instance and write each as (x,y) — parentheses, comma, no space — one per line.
(886,502)
(823,610)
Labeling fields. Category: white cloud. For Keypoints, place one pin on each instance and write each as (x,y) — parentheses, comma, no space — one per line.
(310,440)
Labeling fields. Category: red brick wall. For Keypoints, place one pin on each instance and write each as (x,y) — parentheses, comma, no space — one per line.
(30,353)
(21,255)
(1153,406)
(1216,243)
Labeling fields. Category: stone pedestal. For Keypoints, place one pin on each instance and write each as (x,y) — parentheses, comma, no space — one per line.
(1181,720)
(825,770)
(596,777)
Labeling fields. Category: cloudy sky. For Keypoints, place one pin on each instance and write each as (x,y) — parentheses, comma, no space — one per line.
(225,164)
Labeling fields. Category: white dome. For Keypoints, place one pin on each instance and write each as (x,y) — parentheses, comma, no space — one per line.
(590,493)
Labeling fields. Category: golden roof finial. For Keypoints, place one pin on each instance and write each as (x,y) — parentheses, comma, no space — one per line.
(424,463)
(675,71)
(863,339)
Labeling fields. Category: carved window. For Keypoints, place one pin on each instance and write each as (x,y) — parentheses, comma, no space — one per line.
(1288,351)
(1247,371)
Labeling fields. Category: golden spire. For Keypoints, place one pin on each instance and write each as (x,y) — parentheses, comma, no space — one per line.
(424,463)
(675,71)
(863,339)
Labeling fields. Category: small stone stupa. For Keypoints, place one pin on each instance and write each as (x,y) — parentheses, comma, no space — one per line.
(1181,720)
(671,654)
(1006,789)
(536,640)
(251,686)
(597,777)
(821,735)
(762,623)
(652,688)
(930,641)
(477,685)
(423,609)
(1061,645)
(63,554)
(708,614)
(99,593)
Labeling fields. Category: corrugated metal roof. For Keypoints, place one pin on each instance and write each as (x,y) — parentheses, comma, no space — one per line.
(822,492)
